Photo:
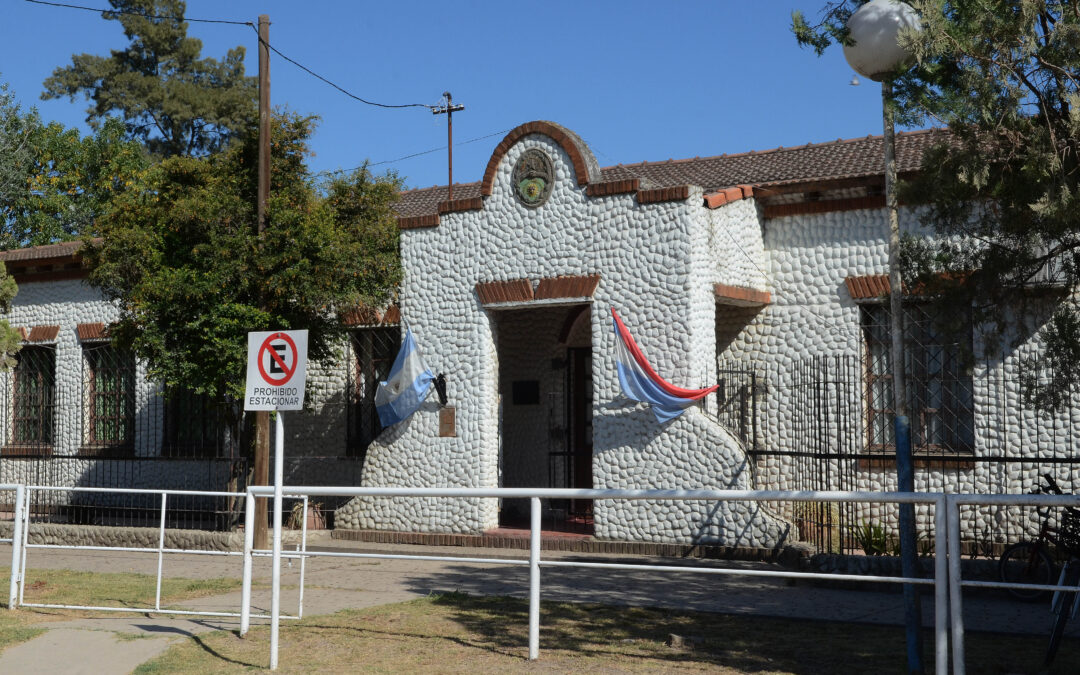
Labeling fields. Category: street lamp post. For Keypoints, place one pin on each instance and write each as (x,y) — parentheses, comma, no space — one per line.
(876,54)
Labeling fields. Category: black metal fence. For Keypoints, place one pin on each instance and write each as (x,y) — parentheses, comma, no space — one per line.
(98,424)
(821,424)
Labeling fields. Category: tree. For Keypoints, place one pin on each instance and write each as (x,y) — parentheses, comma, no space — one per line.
(184,260)
(170,99)
(55,183)
(1002,191)
(15,131)
(69,182)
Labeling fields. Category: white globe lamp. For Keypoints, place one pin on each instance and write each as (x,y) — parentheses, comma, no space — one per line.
(875,27)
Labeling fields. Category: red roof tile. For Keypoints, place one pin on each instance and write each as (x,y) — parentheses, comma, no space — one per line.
(814,162)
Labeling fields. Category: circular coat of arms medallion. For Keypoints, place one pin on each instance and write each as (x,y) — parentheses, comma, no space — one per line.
(533,178)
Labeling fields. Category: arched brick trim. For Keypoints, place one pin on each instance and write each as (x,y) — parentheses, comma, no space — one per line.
(585,167)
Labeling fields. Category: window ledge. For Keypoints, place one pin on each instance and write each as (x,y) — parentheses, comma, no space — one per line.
(935,462)
(16,450)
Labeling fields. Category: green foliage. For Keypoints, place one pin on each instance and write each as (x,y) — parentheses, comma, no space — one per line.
(183,257)
(171,100)
(16,129)
(1002,189)
(71,183)
(53,183)
(872,538)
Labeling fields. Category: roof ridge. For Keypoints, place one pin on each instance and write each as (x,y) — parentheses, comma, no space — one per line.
(778,149)
(437,187)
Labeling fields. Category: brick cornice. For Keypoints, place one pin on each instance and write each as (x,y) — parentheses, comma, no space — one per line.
(43,334)
(667,194)
(567,287)
(868,286)
(614,187)
(513,290)
(91,331)
(715,200)
(740,296)
(467,204)
(370,316)
(417,222)
(568,144)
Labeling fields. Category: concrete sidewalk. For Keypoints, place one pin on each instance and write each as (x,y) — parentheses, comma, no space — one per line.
(333,584)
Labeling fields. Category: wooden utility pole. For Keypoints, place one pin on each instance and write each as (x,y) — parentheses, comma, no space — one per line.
(449,109)
(262,418)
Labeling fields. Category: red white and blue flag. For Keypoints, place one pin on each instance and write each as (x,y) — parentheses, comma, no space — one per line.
(640,382)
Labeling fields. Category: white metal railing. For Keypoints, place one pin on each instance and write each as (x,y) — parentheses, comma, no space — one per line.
(956,581)
(21,545)
(947,580)
(15,541)
(534,561)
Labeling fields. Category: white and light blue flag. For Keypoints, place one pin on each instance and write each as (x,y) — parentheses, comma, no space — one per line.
(407,386)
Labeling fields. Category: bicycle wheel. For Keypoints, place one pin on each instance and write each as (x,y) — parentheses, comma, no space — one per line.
(1070,579)
(1026,563)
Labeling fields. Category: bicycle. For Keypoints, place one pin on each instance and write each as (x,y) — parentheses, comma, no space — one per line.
(1030,562)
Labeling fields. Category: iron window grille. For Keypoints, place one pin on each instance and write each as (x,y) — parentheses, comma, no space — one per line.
(373,352)
(110,399)
(33,409)
(939,384)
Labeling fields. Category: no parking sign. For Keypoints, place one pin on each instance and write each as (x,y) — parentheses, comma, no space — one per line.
(277,370)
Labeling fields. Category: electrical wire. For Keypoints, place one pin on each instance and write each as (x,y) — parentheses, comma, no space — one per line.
(415,154)
(343,90)
(269,46)
(142,14)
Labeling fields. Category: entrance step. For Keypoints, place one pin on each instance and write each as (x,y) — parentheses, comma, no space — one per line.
(512,538)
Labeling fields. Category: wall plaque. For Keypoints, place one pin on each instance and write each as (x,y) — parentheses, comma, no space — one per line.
(447,422)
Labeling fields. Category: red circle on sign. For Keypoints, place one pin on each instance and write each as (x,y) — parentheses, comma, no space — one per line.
(274,355)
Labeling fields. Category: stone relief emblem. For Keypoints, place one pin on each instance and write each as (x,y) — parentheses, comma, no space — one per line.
(533,178)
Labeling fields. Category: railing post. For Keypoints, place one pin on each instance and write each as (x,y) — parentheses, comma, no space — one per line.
(302,548)
(16,548)
(956,606)
(160,551)
(25,536)
(941,587)
(249,542)
(275,594)
(534,578)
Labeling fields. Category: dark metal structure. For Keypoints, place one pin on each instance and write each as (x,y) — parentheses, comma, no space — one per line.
(813,424)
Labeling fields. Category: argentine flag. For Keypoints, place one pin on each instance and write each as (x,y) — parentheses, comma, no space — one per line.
(640,382)
(407,386)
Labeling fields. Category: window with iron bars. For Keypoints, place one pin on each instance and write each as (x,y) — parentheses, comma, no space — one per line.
(373,352)
(33,401)
(195,425)
(939,385)
(110,399)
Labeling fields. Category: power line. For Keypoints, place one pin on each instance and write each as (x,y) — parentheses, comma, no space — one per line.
(271,47)
(142,14)
(415,154)
(337,86)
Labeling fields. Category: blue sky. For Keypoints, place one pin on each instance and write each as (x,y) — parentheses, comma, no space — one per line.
(636,80)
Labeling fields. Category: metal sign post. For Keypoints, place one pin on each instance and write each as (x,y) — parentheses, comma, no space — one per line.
(276,377)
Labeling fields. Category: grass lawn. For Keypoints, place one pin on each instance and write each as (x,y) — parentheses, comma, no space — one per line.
(457,633)
(67,587)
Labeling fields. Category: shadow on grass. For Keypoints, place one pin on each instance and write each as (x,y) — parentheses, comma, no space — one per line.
(745,644)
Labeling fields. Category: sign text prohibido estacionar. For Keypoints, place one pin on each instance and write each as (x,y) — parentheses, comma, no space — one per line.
(277,370)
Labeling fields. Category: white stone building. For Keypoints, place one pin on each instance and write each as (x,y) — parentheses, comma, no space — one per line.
(757,270)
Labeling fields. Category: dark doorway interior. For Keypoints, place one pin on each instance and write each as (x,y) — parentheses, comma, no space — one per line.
(545,385)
